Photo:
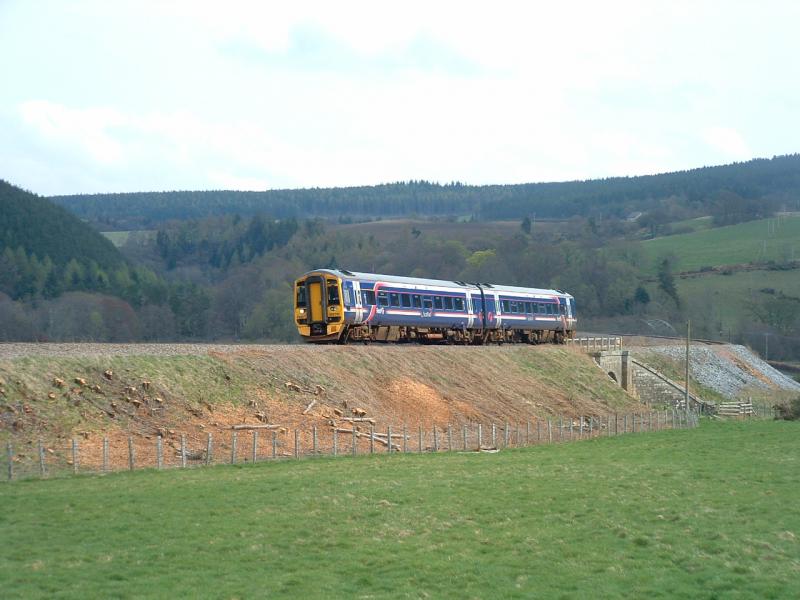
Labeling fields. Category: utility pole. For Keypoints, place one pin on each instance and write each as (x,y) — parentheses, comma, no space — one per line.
(686,389)
(766,346)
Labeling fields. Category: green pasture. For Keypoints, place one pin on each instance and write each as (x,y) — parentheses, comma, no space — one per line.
(726,299)
(120,238)
(704,513)
(776,239)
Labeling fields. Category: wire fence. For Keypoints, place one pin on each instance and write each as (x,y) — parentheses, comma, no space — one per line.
(256,443)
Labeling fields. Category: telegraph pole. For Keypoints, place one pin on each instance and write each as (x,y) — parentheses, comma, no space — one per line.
(686,388)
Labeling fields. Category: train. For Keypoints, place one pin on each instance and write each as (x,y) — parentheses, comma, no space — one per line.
(341,306)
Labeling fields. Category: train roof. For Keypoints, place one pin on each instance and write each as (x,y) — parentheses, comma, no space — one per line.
(438,282)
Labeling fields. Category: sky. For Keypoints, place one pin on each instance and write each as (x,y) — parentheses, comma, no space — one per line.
(99,96)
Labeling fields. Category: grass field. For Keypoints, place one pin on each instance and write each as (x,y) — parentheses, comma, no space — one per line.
(775,239)
(702,513)
(730,296)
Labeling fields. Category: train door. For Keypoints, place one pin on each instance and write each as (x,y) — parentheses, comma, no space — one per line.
(315,301)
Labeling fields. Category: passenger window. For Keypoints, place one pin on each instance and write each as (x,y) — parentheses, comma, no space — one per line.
(394,298)
(301,295)
(427,302)
(448,303)
(405,300)
(549,309)
(528,308)
(383,299)
(333,294)
(505,305)
(367,297)
(417,300)
(459,303)
(437,302)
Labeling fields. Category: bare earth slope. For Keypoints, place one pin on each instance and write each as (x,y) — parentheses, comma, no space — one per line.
(53,392)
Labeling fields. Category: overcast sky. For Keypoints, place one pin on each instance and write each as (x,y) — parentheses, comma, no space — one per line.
(114,96)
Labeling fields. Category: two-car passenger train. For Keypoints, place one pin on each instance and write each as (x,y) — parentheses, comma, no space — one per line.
(339,306)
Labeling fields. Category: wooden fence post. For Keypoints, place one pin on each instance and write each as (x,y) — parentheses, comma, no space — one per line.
(10,455)
(354,449)
(528,433)
(464,435)
(209,449)
(183,451)
(506,435)
(591,426)
(405,438)
(234,440)
(420,439)
(494,436)
(159,453)
(296,443)
(580,428)
(435,439)
(480,435)
(371,438)
(41,459)
(255,445)
(314,440)
(550,430)
(335,442)
(625,423)
(560,428)
(74,455)
(538,431)
(131,454)
(449,437)
(389,439)
(105,455)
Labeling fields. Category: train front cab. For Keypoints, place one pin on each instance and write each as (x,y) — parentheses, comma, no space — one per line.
(318,309)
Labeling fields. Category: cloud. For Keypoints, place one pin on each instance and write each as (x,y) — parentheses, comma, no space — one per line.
(728,142)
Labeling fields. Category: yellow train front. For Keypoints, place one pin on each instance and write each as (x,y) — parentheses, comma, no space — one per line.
(318,310)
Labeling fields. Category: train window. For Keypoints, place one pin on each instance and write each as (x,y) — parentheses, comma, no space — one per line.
(301,295)
(549,309)
(505,305)
(333,293)
(562,309)
(437,302)
(394,299)
(416,300)
(383,299)
(405,300)
(458,303)
(367,297)
(427,302)
(448,303)
(528,307)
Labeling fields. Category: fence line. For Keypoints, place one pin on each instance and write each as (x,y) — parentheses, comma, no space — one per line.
(184,451)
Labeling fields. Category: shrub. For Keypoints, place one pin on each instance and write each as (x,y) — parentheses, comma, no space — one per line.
(789,411)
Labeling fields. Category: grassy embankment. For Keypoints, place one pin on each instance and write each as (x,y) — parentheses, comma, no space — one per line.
(201,393)
(699,513)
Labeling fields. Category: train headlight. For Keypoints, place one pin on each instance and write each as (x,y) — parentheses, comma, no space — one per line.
(302,311)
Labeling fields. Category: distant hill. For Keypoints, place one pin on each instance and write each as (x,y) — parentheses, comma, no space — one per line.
(777,179)
(45,229)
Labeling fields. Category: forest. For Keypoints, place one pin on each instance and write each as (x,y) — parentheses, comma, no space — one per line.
(773,180)
(225,272)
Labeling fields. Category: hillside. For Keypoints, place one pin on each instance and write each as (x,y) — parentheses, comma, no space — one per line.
(45,229)
(777,178)
(776,240)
